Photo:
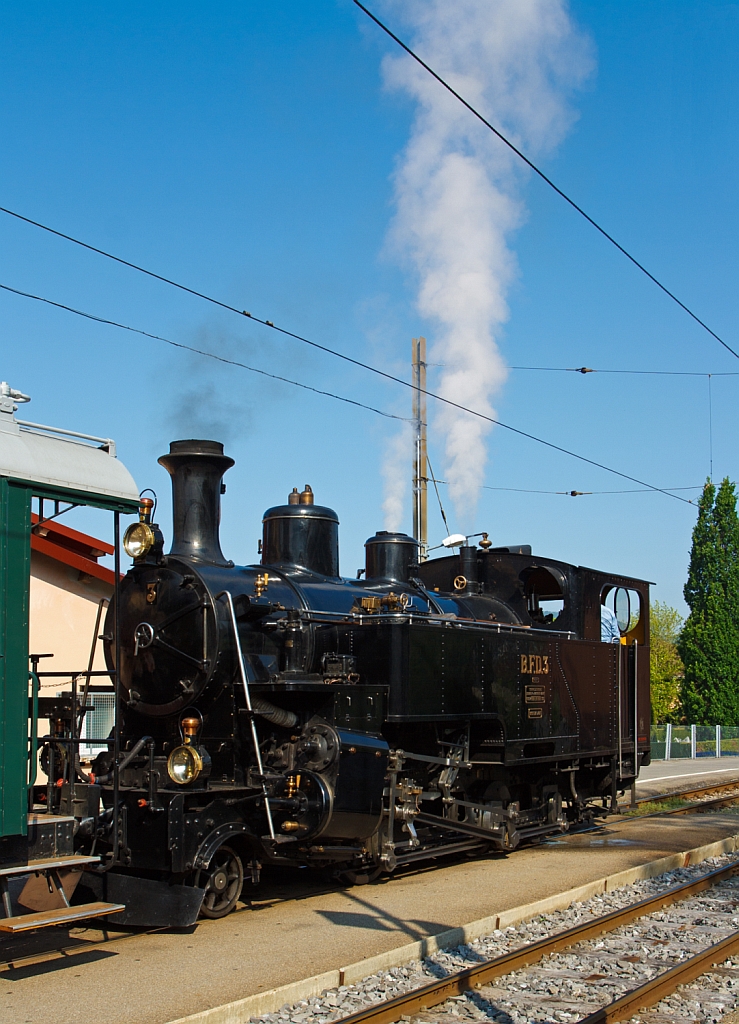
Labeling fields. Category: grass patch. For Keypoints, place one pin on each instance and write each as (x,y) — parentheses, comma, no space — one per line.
(652,806)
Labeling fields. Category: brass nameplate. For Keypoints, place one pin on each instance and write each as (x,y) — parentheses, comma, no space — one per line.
(534,665)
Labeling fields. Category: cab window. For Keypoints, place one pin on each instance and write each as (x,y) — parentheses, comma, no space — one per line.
(544,588)
(627,606)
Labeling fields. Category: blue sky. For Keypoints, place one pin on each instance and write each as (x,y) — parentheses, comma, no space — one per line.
(247,150)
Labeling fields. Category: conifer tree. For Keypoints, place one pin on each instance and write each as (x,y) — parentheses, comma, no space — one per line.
(709,642)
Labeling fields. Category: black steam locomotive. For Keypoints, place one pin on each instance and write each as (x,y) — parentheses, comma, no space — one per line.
(279,713)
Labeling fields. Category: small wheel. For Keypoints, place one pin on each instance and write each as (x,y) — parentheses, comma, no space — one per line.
(222,880)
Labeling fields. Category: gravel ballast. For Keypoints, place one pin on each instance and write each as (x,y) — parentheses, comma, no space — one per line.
(569,985)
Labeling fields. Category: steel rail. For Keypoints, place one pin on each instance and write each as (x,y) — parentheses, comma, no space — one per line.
(686,793)
(651,992)
(702,805)
(436,992)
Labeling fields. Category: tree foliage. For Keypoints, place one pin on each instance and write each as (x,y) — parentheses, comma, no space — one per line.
(709,642)
(665,664)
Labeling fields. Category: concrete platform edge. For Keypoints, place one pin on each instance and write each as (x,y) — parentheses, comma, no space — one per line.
(239,1011)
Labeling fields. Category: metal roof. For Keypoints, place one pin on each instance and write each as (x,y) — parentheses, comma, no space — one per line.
(59,458)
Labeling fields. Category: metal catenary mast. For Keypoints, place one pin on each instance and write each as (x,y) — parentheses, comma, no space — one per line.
(420,530)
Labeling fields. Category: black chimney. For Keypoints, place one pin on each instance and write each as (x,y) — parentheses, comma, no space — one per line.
(196,468)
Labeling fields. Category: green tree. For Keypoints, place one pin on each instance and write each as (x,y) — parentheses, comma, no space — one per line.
(709,641)
(665,664)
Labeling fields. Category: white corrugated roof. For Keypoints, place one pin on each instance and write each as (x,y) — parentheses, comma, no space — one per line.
(32,452)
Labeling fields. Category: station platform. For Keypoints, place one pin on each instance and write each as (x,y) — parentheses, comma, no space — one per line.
(686,773)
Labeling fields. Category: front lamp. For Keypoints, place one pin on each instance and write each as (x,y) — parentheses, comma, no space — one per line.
(184,765)
(138,540)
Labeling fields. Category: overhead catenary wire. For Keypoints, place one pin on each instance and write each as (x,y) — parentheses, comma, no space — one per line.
(206,354)
(327,394)
(577,494)
(366,366)
(545,177)
(572,494)
(654,373)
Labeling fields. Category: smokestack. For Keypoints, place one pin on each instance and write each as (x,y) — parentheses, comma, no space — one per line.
(196,468)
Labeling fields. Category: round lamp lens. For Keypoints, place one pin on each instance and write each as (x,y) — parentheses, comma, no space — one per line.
(138,539)
(183,765)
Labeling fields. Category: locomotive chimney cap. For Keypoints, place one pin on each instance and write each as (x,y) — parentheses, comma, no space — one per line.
(197,447)
(391,537)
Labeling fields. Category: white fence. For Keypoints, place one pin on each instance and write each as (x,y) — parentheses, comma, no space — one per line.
(672,742)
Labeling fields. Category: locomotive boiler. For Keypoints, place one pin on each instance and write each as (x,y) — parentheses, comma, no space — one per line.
(281,713)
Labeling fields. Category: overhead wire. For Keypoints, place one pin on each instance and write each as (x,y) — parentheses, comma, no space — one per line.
(208,355)
(375,370)
(577,494)
(366,366)
(544,177)
(656,373)
(571,494)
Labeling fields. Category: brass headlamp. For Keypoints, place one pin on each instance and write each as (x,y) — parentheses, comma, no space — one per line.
(139,538)
(184,765)
(188,761)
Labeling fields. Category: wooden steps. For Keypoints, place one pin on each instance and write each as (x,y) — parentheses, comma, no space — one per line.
(63,915)
(48,864)
(50,868)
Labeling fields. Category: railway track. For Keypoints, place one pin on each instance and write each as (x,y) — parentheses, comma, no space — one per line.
(473,984)
(687,794)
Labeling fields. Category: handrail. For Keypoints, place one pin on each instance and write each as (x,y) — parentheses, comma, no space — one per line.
(83,700)
(411,616)
(247,698)
(636,708)
(33,742)
(619,658)
(107,443)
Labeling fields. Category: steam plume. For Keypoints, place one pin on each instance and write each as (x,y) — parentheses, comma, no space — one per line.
(395,477)
(457,189)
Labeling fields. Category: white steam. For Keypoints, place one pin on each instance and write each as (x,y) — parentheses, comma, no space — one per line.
(395,473)
(457,193)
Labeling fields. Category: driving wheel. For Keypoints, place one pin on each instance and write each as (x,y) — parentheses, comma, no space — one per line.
(222,880)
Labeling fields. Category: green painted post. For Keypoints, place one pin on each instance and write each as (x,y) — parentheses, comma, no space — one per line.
(15,572)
